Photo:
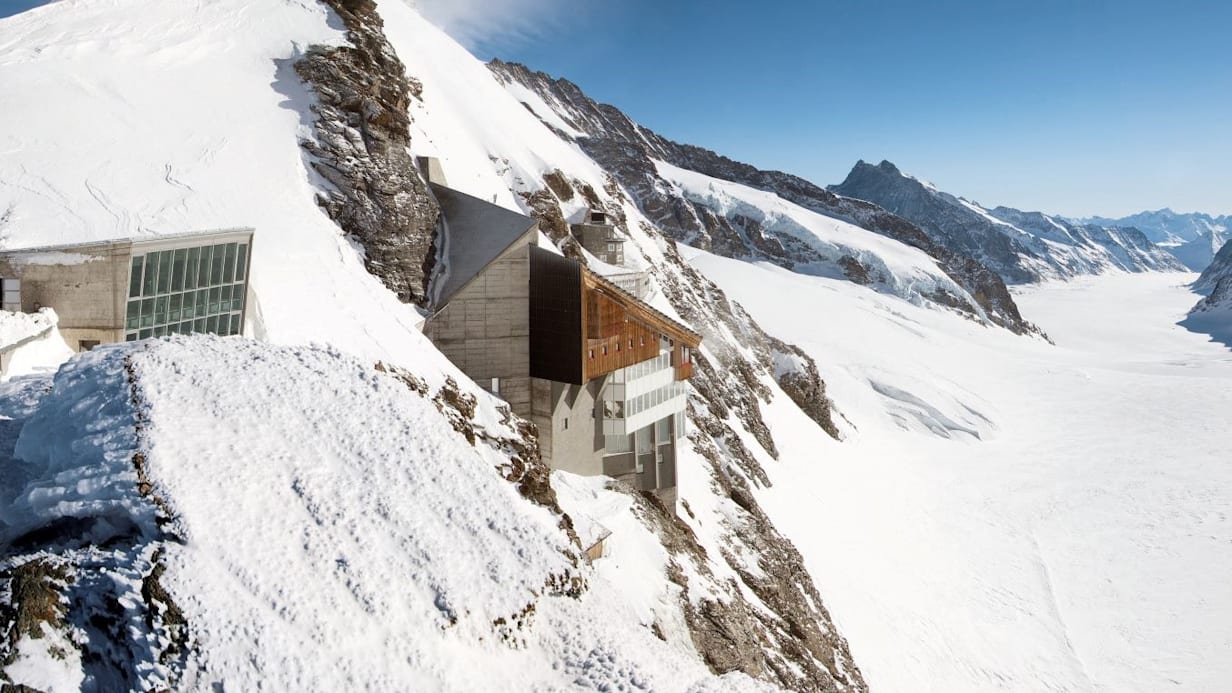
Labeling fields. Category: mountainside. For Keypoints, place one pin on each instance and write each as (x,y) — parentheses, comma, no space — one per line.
(1219,268)
(296,118)
(632,155)
(1213,314)
(881,489)
(164,594)
(1198,254)
(1167,226)
(1021,246)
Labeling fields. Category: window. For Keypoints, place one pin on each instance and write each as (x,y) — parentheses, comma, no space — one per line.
(151,273)
(590,353)
(605,350)
(564,424)
(241,262)
(228,268)
(495,387)
(186,290)
(134,282)
(177,269)
(663,430)
(164,272)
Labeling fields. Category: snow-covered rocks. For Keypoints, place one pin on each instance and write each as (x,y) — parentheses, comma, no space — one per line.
(222,512)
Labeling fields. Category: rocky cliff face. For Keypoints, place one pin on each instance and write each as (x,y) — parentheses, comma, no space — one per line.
(362,132)
(628,152)
(1020,246)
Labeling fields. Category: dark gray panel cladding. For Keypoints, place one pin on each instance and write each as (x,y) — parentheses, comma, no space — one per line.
(555,317)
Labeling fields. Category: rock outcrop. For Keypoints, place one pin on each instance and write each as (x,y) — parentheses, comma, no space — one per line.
(377,194)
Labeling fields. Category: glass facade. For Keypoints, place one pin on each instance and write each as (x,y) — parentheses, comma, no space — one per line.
(187,290)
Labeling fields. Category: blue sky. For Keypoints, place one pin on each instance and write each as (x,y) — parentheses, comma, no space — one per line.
(1072,107)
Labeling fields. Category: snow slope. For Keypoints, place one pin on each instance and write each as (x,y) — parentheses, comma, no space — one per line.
(899,269)
(194,122)
(1080,543)
(321,542)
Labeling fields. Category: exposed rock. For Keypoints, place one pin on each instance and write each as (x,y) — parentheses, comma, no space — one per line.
(362,129)
(34,588)
(797,375)
(627,150)
(787,637)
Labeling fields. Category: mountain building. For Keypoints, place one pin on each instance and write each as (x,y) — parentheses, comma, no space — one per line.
(600,238)
(134,288)
(600,372)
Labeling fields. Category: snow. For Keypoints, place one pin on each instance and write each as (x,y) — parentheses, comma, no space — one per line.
(908,272)
(18,327)
(195,116)
(31,343)
(52,258)
(335,531)
(1082,543)
(488,144)
(1003,515)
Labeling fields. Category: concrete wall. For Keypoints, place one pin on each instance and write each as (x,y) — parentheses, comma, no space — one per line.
(566,416)
(88,288)
(485,329)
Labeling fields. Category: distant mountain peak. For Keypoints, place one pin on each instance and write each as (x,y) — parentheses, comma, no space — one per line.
(1020,246)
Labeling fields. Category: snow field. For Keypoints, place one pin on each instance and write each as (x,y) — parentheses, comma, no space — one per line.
(1081,544)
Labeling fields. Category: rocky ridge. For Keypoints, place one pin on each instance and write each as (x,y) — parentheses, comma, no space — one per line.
(628,151)
(361,149)
(1022,247)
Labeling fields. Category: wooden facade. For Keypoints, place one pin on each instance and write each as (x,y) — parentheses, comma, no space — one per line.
(583,327)
(619,331)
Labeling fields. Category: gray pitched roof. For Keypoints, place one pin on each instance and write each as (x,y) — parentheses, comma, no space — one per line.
(476,233)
